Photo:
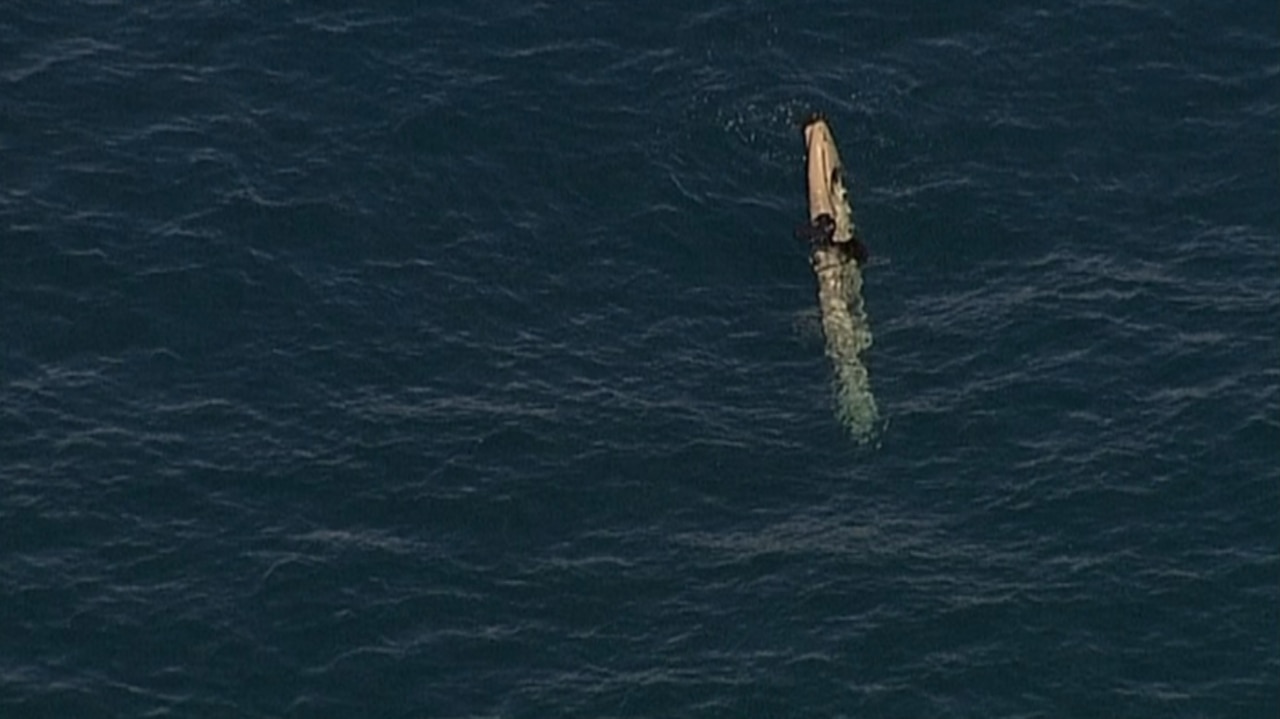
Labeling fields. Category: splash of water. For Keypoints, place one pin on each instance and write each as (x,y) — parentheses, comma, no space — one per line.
(848,335)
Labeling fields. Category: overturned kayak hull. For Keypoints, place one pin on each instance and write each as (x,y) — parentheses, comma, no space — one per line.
(837,255)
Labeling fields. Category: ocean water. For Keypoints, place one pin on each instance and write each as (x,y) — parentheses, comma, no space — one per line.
(457,360)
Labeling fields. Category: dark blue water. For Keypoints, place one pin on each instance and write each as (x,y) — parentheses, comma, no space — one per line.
(457,360)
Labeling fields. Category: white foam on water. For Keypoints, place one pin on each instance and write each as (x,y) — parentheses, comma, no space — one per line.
(848,335)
